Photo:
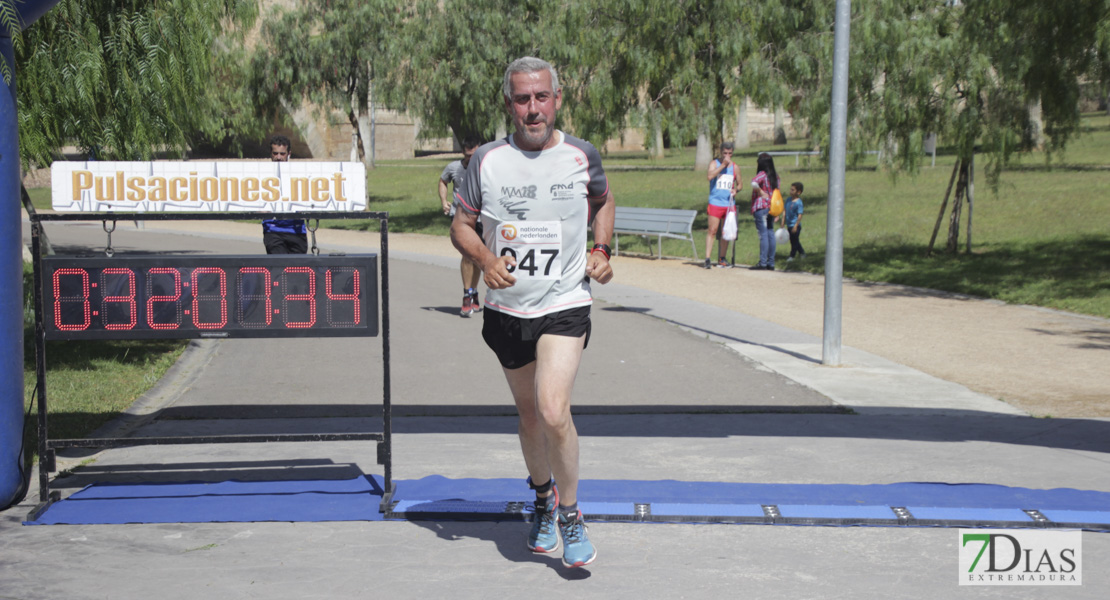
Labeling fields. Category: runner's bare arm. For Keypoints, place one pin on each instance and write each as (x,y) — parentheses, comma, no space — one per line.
(597,265)
(467,241)
(443,197)
(716,167)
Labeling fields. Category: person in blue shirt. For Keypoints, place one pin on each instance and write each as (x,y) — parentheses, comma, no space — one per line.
(722,175)
(793,216)
(283,236)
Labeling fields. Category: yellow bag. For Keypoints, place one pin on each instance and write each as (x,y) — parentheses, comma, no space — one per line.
(776,203)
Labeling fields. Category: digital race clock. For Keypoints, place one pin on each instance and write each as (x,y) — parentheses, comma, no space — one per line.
(203,296)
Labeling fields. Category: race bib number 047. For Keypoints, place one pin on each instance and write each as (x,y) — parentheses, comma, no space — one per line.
(536,246)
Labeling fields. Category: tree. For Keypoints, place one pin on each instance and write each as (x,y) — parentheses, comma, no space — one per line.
(1100,71)
(967,71)
(679,66)
(11,28)
(328,54)
(122,79)
(454,57)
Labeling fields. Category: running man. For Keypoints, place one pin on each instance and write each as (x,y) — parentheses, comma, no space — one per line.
(535,193)
(454,173)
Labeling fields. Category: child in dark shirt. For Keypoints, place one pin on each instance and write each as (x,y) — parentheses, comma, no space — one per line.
(793,217)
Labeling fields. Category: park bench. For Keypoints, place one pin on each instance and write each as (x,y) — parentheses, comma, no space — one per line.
(658,222)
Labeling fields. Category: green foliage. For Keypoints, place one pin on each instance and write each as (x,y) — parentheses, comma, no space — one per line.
(969,72)
(12,28)
(89,382)
(124,79)
(1031,246)
(326,53)
(452,57)
(677,66)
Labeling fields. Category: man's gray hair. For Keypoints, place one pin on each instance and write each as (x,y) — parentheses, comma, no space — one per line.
(528,64)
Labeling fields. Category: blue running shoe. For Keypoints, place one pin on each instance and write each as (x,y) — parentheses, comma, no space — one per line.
(577,549)
(544,537)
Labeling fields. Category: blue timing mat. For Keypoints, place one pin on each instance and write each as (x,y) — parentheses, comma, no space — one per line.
(227,501)
(440,498)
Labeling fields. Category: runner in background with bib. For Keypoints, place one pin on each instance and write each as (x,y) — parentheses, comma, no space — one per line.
(535,194)
(723,174)
(454,173)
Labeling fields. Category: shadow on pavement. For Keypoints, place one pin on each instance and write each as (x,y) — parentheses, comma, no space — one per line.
(683,421)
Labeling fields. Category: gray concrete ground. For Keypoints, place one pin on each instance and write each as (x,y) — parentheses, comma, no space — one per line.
(669,389)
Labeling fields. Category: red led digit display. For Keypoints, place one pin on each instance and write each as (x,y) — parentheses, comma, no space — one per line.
(255,306)
(129,297)
(163,311)
(300,309)
(342,288)
(210,293)
(118,312)
(71,287)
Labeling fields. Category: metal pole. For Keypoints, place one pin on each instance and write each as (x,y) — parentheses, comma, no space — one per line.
(46,454)
(834,240)
(387,400)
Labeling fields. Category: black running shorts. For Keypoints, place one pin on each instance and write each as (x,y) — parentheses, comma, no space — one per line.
(513,339)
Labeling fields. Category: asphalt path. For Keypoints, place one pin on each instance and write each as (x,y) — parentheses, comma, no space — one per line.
(667,390)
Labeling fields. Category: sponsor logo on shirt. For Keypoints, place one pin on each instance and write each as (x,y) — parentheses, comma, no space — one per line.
(562,191)
(508,232)
(516,209)
(528,191)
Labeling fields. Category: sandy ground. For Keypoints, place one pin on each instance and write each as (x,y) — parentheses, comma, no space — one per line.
(1046,362)
(1041,361)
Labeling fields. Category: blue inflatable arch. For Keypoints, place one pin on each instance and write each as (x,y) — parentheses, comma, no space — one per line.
(11,268)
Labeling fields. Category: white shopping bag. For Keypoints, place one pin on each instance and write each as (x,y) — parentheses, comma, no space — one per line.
(728,230)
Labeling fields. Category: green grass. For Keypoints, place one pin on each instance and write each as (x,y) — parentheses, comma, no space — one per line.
(40,198)
(88,383)
(1040,236)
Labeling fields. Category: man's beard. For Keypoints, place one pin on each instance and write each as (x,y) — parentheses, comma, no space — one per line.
(537,138)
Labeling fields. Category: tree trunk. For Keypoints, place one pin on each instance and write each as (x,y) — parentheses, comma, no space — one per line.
(953,245)
(743,140)
(970,199)
(931,147)
(353,119)
(703,153)
(1035,134)
(780,127)
(366,127)
(355,116)
(657,137)
(943,207)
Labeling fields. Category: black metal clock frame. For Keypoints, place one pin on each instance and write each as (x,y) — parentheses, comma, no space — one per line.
(47,446)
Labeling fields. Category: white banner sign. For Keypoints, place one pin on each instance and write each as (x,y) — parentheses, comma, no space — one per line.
(208,186)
